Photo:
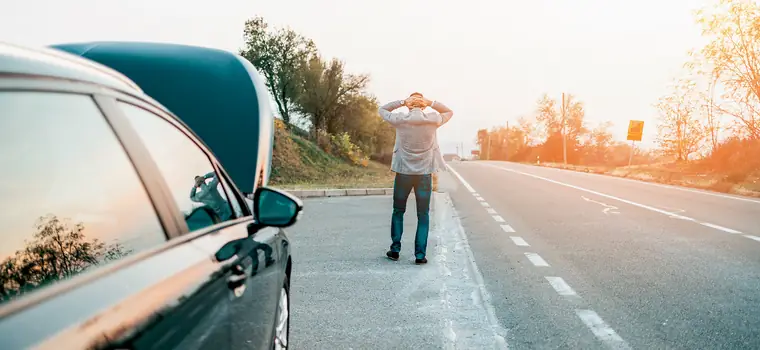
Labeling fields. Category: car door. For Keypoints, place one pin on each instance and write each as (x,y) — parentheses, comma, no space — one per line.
(95,270)
(246,256)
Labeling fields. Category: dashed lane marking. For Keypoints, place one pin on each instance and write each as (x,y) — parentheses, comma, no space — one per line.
(537,260)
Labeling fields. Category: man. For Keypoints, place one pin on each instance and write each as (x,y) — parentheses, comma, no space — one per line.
(416,157)
(210,196)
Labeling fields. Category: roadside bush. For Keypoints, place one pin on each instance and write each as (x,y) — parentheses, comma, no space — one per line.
(344,148)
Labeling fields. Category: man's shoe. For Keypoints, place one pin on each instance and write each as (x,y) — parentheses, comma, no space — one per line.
(420,261)
(392,255)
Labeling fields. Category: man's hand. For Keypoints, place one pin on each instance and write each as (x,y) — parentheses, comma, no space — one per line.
(427,102)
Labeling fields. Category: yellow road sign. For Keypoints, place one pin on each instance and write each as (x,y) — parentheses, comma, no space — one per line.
(635,130)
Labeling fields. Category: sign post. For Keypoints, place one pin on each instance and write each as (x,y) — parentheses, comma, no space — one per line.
(635,131)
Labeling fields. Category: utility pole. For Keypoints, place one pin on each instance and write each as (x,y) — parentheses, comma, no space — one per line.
(564,131)
(506,143)
(630,157)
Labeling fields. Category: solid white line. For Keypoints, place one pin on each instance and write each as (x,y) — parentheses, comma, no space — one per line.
(601,330)
(536,259)
(491,211)
(596,193)
(485,204)
(479,198)
(756,238)
(498,218)
(560,286)
(718,227)
(519,241)
(507,228)
(738,198)
(461,179)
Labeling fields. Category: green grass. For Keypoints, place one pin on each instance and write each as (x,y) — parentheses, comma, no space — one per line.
(300,164)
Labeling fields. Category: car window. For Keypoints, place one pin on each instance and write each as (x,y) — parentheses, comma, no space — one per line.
(70,196)
(234,200)
(186,168)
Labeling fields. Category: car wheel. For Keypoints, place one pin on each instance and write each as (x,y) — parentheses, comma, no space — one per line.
(282,325)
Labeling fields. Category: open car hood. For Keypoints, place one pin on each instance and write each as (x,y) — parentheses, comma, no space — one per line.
(218,94)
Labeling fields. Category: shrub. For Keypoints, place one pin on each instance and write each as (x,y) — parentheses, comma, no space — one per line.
(344,148)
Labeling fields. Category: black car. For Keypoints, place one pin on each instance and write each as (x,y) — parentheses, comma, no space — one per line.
(124,229)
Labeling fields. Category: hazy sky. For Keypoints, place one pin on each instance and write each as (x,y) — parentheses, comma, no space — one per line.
(488,60)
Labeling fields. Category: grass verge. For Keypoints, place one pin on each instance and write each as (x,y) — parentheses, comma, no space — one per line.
(675,174)
(298,163)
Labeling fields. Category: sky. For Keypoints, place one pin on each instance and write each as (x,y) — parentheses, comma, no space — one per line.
(490,61)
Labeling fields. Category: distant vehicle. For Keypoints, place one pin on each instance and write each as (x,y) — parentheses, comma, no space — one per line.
(451,157)
(125,229)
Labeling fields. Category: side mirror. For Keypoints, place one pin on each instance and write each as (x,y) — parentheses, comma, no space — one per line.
(275,208)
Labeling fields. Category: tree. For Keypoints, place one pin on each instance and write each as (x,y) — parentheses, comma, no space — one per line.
(528,129)
(327,88)
(733,51)
(57,251)
(548,116)
(280,55)
(680,131)
(599,144)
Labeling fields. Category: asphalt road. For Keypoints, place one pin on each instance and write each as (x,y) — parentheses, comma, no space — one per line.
(525,257)
(609,262)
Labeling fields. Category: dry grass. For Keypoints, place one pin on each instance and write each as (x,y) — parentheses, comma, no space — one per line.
(679,174)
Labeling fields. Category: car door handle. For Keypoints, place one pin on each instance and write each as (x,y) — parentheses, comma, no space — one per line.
(239,274)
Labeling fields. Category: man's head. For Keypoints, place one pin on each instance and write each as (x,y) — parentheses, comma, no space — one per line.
(415,100)
(198,180)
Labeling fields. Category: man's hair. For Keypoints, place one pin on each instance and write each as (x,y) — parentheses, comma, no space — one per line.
(416,94)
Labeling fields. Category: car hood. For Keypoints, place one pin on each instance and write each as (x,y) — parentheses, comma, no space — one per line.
(218,94)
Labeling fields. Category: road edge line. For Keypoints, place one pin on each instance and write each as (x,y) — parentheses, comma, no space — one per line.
(499,331)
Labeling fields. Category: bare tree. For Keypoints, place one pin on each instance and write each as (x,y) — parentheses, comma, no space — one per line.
(58,250)
(680,131)
(733,51)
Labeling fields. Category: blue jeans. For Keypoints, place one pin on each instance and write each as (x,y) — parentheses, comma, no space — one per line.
(402,186)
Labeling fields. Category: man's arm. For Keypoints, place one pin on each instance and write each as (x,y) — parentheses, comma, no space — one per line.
(192,194)
(386,111)
(446,112)
(213,177)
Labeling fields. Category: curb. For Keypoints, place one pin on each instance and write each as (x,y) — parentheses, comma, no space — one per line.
(341,192)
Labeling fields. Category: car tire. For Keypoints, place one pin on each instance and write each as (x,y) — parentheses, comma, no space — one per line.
(282,321)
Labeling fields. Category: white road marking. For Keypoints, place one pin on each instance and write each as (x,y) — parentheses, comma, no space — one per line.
(756,238)
(466,185)
(601,330)
(491,211)
(479,198)
(560,286)
(608,209)
(465,288)
(519,241)
(536,259)
(738,198)
(498,218)
(718,227)
(507,228)
(485,204)
(644,206)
